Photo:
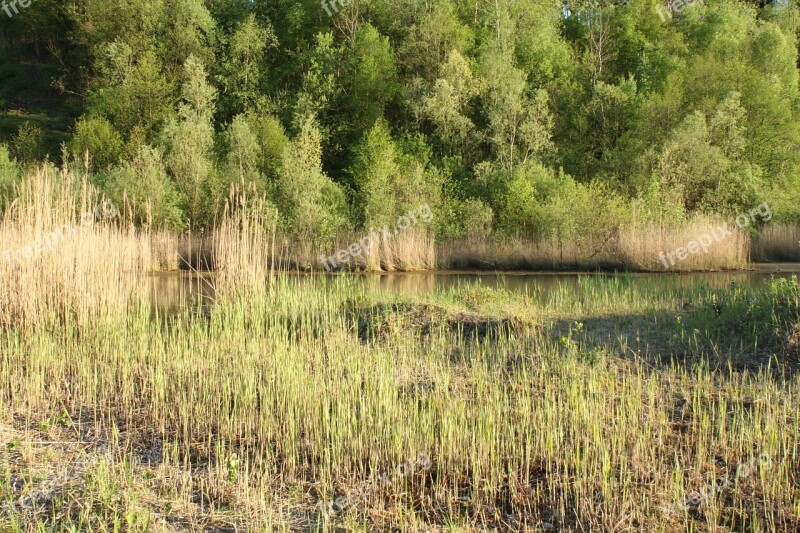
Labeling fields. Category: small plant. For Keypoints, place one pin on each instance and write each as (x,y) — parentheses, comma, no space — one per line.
(232,467)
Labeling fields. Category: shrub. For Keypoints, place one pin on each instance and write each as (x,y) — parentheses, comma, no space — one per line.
(27,146)
(469,219)
(272,142)
(144,188)
(9,175)
(311,204)
(241,154)
(98,137)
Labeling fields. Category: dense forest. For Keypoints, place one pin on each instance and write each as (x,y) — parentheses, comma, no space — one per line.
(510,118)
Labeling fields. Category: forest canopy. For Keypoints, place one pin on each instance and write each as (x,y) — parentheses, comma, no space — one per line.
(508,117)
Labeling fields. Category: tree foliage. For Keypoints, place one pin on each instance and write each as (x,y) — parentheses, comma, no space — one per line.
(513,117)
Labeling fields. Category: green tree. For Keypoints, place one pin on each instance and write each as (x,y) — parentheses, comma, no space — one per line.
(9,175)
(311,204)
(376,172)
(27,146)
(130,90)
(271,142)
(243,68)
(145,190)
(371,79)
(191,141)
(241,154)
(446,105)
(519,123)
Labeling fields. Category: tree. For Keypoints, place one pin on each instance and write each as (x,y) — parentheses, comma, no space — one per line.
(130,90)
(311,204)
(191,140)
(371,77)
(97,137)
(9,175)
(271,142)
(520,124)
(241,154)
(244,66)
(144,188)
(446,104)
(376,173)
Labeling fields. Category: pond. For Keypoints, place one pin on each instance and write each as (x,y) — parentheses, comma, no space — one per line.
(169,290)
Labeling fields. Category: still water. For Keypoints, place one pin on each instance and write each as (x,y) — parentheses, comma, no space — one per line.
(173,289)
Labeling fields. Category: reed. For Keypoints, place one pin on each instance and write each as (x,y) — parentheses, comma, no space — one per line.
(60,263)
(255,415)
(636,247)
(603,405)
(641,246)
(243,247)
(777,242)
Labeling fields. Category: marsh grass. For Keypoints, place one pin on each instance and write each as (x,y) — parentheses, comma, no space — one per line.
(256,413)
(777,242)
(640,246)
(87,268)
(636,247)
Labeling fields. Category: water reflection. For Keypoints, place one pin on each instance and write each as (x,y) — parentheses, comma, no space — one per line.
(171,290)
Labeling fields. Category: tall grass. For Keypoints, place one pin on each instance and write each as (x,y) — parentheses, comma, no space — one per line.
(62,264)
(777,242)
(595,408)
(641,246)
(244,247)
(278,404)
(636,247)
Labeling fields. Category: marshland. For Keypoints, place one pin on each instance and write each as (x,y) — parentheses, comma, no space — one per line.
(417,266)
(254,397)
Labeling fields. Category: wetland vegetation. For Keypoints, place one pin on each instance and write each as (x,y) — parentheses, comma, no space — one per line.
(292,402)
(178,176)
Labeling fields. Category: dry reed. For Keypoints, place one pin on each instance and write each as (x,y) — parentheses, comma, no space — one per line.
(59,263)
(634,248)
(777,242)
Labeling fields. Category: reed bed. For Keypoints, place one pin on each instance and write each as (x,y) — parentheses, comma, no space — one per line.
(526,254)
(215,419)
(244,247)
(642,246)
(316,404)
(777,242)
(412,250)
(63,258)
(637,247)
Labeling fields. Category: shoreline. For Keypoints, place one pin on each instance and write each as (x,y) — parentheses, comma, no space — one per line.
(777,267)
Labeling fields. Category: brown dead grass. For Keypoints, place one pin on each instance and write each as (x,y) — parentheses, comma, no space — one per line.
(71,266)
(777,242)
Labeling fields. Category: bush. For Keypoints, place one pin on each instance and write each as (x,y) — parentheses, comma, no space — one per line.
(144,188)
(311,204)
(9,175)
(98,137)
(469,219)
(27,146)
(272,142)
